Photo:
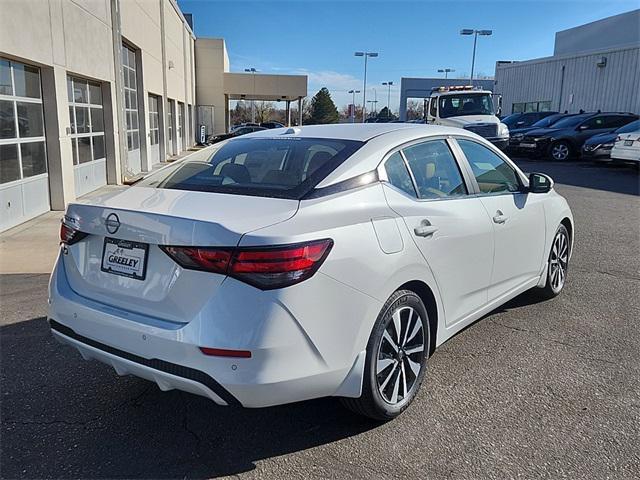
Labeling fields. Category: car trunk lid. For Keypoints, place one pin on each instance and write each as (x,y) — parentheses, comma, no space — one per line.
(129,226)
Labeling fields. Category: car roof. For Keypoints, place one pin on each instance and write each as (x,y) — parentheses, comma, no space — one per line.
(353,131)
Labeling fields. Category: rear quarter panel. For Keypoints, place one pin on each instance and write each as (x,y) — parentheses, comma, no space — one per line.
(357,261)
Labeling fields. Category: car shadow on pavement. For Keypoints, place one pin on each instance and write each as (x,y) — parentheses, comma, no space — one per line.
(63,417)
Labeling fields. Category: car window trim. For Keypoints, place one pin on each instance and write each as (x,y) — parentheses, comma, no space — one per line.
(383,178)
(522,180)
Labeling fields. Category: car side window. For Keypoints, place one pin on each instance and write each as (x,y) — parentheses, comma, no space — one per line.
(435,170)
(616,121)
(594,123)
(433,110)
(492,173)
(398,175)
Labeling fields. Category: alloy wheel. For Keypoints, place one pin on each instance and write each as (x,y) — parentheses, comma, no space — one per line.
(560,151)
(559,261)
(400,355)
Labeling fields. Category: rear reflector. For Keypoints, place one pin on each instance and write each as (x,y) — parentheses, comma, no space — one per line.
(263,267)
(221,352)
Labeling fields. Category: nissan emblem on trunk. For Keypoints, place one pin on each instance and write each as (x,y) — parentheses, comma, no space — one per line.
(112,223)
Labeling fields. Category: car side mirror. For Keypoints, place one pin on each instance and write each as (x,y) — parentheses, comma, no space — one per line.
(540,183)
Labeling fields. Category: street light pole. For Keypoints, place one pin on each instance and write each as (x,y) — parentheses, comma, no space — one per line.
(253,101)
(475,33)
(353,117)
(364,86)
(388,84)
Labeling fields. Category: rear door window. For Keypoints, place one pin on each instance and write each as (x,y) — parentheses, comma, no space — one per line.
(435,170)
(399,175)
(271,167)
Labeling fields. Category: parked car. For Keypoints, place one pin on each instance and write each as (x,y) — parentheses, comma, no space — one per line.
(525,119)
(329,261)
(598,147)
(626,148)
(517,134)
(234,133)
(272,124)
(564,139)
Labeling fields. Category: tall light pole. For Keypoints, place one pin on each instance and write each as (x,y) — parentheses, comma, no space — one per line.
(388,85)
(446,71)
(475,33)
(253,101)
(364,87)
(353,117)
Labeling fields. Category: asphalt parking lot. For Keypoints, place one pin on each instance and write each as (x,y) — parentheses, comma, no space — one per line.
(534,390)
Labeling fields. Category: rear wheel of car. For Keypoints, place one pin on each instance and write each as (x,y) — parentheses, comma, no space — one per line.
(396,359)
(560,151)
(558,263)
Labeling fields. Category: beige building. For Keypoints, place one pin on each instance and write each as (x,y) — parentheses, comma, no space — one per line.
(216,86)
(96,92)
(91,92)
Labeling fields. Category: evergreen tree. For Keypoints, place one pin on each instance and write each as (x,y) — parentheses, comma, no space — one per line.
(323,110)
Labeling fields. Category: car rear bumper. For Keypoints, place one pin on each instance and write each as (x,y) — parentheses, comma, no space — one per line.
(626,154)
(288,361)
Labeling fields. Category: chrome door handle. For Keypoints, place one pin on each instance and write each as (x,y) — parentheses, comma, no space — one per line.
(500,217)
(425,229)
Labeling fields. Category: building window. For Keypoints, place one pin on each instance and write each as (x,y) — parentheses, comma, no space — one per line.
(531,107)
(87,120)
(130,98)
(22,141)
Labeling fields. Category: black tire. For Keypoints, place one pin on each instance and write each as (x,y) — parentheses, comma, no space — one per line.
(371,403)
(551,288)
(561,151)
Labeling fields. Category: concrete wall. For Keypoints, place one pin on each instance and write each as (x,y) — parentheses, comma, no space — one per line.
(76,37)
(421,88)
(212,62)
(617,31)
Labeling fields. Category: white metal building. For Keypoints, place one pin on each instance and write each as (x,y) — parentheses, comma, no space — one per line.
(594,67)
(91,92)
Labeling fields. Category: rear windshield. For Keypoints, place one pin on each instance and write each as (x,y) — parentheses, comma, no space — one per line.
(269,167)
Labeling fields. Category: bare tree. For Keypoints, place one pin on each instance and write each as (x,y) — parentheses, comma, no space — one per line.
(415,109)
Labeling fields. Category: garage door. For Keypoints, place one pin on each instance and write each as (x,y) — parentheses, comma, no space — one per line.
(154,129)
(24,183)
(87,134)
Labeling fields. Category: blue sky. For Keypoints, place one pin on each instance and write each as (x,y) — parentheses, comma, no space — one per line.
(413,38)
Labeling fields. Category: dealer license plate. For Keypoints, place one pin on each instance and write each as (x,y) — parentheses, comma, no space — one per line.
(628,143)
(126,258)
(528,145)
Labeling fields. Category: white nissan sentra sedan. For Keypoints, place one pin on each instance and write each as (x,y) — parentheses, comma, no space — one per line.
(306,262)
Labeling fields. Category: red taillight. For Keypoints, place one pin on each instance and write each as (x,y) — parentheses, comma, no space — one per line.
(207,259)
(262,267)
(69,235)
(223,352)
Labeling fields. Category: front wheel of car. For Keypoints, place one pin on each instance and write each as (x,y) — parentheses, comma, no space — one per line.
(396,358)
(560,151)
(558,263)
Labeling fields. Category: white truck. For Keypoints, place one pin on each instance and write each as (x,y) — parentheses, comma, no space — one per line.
(469,108)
